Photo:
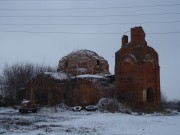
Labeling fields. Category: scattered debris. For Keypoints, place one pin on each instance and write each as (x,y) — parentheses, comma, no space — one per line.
(91,108)
(77,108)
(28,106)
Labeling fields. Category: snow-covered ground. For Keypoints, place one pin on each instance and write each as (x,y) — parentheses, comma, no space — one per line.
(56,122)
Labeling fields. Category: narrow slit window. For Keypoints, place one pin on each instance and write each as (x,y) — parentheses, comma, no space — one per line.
(98,63)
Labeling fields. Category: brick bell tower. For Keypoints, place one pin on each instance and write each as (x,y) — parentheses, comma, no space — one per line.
(137,70)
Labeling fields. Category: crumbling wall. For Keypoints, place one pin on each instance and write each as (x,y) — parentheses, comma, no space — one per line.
(46,90)
(137,70)
(83,62)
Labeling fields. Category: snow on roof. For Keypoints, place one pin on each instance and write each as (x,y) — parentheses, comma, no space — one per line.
(59,75)
(83,52)
(25,101)
(90,76)
(65,76)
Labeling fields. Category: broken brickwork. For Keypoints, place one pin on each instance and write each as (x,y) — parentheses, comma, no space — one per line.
(137,71)
(82,78)
(83,62)
(49,89)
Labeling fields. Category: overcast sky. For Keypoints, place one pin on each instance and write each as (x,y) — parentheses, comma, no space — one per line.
(43,31)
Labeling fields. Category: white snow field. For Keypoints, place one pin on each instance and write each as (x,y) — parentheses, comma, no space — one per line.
(52,121)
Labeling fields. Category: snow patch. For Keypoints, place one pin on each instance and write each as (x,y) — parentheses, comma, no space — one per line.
(85,52)
(81,53)
(25,101)
(59,75)
(90,76)
(81,70)
(57,122)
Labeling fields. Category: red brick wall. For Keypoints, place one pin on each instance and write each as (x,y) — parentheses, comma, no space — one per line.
(137,35)
(137,70)
(83,62)
(78,91)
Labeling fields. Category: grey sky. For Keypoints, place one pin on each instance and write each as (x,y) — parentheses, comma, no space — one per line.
(37,36)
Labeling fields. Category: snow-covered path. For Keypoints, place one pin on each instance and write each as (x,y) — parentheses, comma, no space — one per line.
(86,123)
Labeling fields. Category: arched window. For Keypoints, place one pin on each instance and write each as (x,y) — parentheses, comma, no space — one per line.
(127,67)
(98,63)
(149,68)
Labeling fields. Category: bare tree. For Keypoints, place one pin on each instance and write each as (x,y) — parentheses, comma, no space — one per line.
(15,77)
(1,87)
(163,98)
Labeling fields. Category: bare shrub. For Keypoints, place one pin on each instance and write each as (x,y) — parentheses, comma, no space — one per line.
(111,105)
(178,106)
(163,99)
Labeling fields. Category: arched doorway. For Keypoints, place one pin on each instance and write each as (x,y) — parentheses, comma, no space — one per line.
(148,95)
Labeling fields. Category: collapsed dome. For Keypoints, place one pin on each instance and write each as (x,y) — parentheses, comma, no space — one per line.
(83,62)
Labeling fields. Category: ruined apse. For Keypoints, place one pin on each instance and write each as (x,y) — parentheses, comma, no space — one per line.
(137,71)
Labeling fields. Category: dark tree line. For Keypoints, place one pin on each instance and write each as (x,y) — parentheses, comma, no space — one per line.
(14,78)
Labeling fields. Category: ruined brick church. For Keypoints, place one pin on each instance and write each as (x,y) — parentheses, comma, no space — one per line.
(83,77)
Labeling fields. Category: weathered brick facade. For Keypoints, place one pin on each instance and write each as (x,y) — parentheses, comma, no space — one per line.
(83,62)
(137,71)
(48,90)
(82,79)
